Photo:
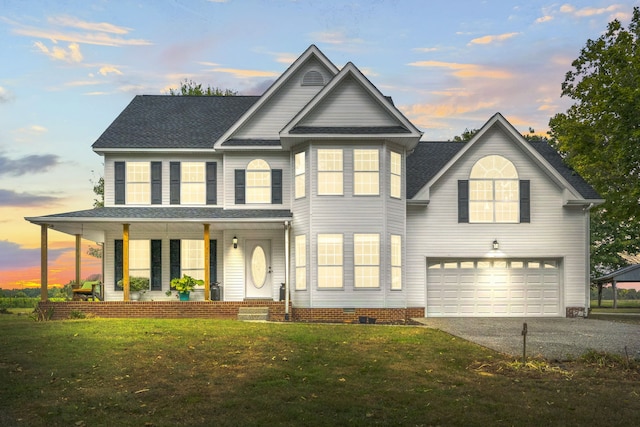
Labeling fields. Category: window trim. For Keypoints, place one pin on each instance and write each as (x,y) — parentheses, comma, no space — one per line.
(300,175)
(338,266)
(324,172)
(492,177)
(363,168)
(395,174)
(396,267)
(266,188)
(373,266)
(301,261)
(132,169)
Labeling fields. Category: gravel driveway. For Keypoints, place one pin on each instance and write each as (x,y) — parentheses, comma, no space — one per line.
(553,339)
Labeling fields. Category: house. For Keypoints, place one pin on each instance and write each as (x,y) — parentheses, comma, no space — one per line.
(321,190)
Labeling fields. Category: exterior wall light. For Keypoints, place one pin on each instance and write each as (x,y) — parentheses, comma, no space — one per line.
(235,242)
(496,245)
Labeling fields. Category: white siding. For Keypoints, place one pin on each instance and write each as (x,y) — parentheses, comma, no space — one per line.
(349,104)
(554,231)
(284,105)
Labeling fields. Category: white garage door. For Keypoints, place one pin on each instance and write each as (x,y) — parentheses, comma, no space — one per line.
(490,287)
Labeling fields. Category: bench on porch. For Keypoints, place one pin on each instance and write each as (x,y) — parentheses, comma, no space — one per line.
(89,289)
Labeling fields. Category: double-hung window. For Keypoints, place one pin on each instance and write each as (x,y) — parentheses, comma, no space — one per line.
(301,262)
(258,188)
(330,261)
(140,258)
(300,171)
(366,251)
(138,183)
(192,258)
(193,183)
(396,261)
(366,181)
(396,175)
(330,173)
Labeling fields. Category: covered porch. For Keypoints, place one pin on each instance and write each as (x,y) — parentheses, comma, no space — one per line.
(628,274)
(225,243)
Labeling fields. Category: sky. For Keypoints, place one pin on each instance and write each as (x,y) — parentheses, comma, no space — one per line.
(69,67)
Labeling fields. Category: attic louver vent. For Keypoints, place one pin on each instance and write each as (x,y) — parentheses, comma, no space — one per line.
(313,78)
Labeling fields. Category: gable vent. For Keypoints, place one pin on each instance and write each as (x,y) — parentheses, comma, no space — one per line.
(313,78)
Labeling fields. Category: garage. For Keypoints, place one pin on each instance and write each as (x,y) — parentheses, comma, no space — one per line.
(494,287)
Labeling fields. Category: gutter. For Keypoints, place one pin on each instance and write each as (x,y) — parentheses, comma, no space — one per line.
(587,303)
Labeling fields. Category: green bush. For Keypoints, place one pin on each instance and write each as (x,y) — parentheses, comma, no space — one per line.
(19,302)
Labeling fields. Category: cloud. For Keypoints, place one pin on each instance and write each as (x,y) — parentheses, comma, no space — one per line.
(464,70)
(450,109)
(425,49)
(73,22)
(545,18)
(107,69)
(15,256)
(34,163)
(335,38)
(64,28)
(588,11)
(5,95)
(493,38)
(15,199)
(73,53)
(245,73)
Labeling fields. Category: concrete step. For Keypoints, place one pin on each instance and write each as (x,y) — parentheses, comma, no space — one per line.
(253,313)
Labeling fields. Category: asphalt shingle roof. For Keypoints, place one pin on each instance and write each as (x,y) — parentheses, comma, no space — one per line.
(165,121)
(428,158)
(175,212)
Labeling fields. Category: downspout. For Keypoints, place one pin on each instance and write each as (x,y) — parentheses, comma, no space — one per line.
(287,227)
(587,303)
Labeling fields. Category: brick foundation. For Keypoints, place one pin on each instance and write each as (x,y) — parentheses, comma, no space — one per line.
(576,312)
(223,310)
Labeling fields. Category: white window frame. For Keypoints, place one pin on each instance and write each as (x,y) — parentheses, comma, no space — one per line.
(366,172)
(193,183)
(138,183)
(366,260)
(330,172)
(258,182)
(300,175)
(192,258)
(301,262)
(494,191)
(396,262)
(395,175)
(330,261)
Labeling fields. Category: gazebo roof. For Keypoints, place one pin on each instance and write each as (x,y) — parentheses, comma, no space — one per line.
(630,273)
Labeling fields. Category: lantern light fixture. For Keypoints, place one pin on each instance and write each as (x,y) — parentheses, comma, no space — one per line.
(496,245)
(235,242)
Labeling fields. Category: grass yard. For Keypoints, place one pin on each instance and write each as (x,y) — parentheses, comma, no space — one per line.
(152,372)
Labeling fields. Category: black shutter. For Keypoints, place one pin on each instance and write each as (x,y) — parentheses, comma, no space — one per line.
(120,182)
(276,187)
(525,200)
(156,183)
(174,259)
(212,179)
(174,183)
(463,201)
(213,260)
(156,265)
(239,186)
(117,263)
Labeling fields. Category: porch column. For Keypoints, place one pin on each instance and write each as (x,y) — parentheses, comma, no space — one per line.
(125,262)
(44,262)
(207,263)
(78,237)
(615,294)
(287,227)
(599,294)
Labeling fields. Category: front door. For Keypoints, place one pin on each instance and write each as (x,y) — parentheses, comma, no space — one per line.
(258,269)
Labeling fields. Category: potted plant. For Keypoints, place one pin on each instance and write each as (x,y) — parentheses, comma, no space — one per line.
(184,285)
(137,287)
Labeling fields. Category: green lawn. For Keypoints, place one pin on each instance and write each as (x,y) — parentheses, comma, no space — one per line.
(151,372)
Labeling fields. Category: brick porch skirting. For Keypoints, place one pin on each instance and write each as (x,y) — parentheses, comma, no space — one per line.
(222,310)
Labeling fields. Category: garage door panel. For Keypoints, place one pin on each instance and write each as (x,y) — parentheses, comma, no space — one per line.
(488,288)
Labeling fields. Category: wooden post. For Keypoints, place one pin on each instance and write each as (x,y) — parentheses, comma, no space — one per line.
(287,228)
(524,343)
(615,294)
(207,264)
(599,295)
(125,261)
(78,241)
(44,263)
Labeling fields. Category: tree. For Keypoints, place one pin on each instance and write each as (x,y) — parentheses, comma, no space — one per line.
(191,88)
(98,202)
(599,136)
(466,135)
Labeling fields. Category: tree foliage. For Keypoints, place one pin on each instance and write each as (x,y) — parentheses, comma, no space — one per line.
(599,136)
(190,88)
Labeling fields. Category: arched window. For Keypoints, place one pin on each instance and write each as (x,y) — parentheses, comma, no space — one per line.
(258,189)
(494,194)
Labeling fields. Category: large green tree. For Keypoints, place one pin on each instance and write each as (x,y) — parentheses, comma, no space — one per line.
(599,135)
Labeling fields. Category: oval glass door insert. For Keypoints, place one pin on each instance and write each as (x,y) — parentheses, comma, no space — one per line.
(258,267)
